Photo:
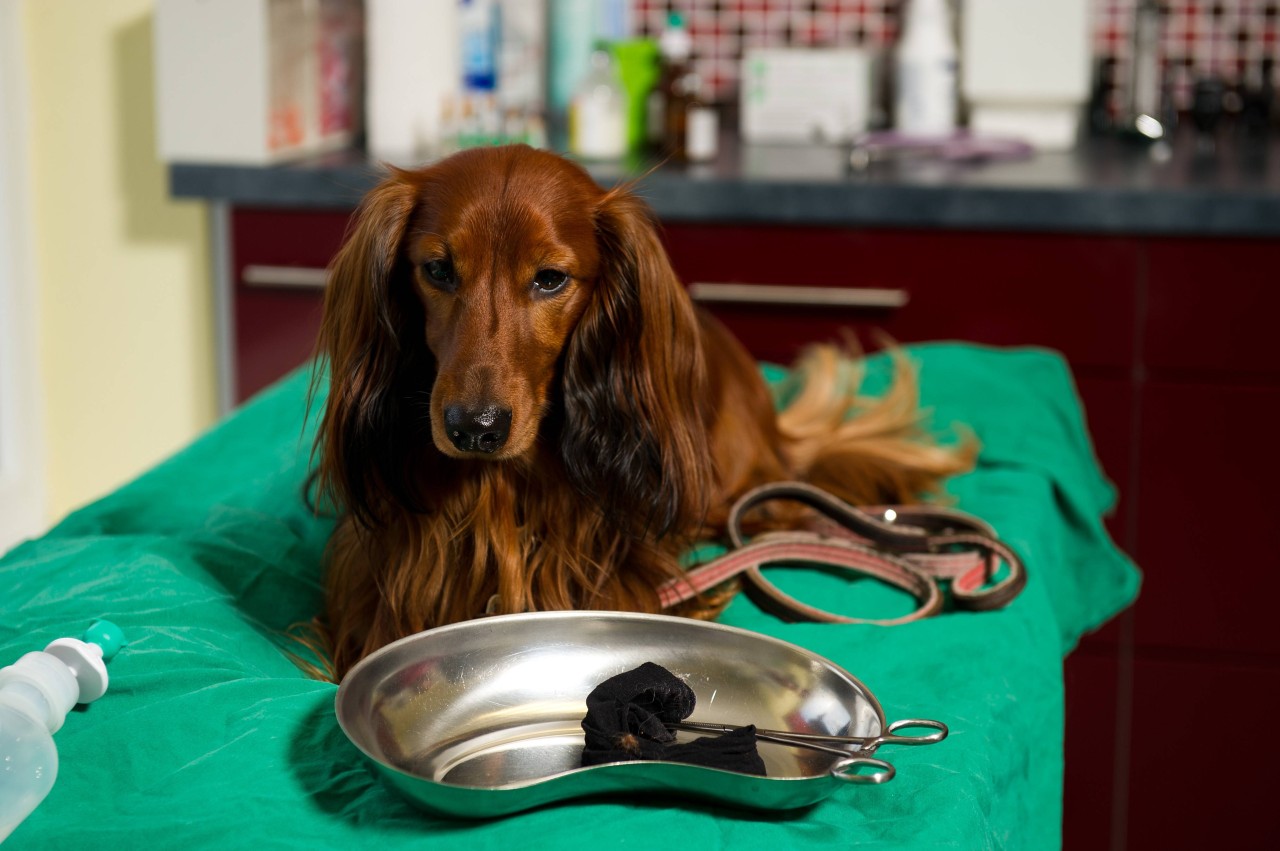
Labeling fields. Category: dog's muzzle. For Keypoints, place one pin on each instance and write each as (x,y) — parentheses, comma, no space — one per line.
(483,429)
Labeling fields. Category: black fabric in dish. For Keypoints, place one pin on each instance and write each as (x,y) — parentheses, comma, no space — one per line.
(627,718)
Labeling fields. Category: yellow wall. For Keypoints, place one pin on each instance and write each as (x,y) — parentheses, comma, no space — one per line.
(125,299)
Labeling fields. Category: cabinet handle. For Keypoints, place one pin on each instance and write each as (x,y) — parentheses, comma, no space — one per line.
(303,277)
(294,277)
(798,296)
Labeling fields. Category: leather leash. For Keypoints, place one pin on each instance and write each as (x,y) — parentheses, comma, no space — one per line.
(911,547)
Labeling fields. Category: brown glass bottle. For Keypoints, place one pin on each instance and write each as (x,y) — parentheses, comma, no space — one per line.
(679,95)
(675,90)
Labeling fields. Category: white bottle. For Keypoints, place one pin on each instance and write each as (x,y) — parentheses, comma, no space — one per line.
(926,70)
(36,693)
(703,134)
(598,114)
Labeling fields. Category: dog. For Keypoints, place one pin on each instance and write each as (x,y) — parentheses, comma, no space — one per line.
(527,412)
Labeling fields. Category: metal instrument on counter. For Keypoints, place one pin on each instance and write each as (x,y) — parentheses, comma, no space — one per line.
(887,146)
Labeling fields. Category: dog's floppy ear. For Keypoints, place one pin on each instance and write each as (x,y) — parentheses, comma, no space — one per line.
(635,432)
(367,340)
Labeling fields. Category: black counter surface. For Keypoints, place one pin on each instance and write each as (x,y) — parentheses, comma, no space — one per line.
(1106,186)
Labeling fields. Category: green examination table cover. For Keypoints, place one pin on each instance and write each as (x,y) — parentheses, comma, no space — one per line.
(210,737)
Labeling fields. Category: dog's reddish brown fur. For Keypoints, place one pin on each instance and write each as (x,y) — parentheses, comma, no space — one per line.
(635,418)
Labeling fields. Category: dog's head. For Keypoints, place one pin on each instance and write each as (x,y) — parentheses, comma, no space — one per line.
(497,301)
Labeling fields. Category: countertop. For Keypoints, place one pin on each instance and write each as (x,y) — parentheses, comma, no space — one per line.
(1106,186)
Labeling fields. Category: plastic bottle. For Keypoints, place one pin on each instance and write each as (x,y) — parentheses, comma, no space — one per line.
(478,21)
(926,71)
(479,28)
(638,66)
(702,136)
(598,114)
(36,693)
(571,34)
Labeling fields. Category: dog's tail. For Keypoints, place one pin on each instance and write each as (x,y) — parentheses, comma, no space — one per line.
(868,451)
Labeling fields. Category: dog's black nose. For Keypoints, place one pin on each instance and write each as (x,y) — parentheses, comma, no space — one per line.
(477,429)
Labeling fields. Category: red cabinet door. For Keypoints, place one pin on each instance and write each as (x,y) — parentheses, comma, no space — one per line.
(1092,749)
(1211,308)
(1203,767)
(1209,468)
(1070,293)
(276,325)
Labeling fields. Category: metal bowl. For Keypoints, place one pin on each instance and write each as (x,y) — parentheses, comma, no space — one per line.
(483,718)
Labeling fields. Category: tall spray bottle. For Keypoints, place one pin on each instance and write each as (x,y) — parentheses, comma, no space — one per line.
(927,59)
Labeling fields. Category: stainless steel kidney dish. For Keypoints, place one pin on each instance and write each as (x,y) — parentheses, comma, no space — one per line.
(483,718)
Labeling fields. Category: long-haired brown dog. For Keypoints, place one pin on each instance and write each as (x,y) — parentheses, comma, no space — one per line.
(526,412)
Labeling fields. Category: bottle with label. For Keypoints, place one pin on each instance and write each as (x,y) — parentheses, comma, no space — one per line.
(637,63)
(36,693)
(479,22)
(926,71)
(571,35)
(598,113)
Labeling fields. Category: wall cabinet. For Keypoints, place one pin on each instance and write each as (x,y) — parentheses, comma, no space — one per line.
(1169,341)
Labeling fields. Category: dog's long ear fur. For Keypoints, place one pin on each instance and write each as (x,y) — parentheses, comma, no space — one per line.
(635,435)
(371,341)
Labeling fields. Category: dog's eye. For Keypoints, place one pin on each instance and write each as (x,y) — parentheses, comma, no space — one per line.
(549,280)
(440,273)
